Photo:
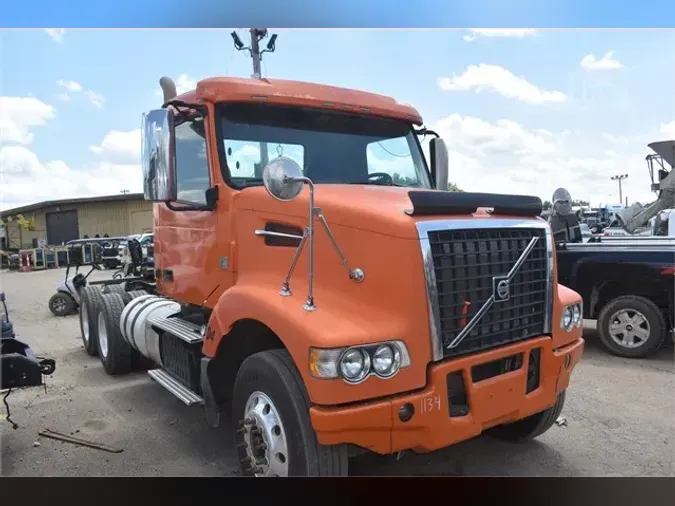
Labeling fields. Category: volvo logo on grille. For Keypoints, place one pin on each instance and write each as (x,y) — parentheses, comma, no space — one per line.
(502,289)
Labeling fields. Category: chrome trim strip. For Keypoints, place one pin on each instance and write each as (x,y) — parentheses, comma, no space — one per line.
(423,229)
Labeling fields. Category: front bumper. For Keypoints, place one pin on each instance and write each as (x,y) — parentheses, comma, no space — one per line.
(376,425)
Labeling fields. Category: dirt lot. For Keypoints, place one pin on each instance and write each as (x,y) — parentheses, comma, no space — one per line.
(620,417)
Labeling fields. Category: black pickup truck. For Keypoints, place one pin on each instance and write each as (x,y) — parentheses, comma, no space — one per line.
(627,286)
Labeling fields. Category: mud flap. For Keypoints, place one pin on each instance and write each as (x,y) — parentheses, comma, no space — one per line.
(211,408)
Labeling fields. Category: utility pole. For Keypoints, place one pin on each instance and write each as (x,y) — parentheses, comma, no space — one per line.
(257,35)
(619,178)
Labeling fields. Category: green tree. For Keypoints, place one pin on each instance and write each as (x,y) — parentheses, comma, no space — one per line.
(452,187)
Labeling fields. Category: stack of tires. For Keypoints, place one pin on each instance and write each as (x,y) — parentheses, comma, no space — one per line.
(100,312)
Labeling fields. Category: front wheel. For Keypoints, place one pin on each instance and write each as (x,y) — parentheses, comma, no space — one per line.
(274,434)
(531,427)
(631,327)
(62,304)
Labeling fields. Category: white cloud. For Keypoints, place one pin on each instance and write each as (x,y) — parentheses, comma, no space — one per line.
(494,78)
(96,99)
(484,139)
(64,97)
(56,33)
(19,114)
(607,62)
(72,86)
(668,129)
(506,157)
(120,144)
(184,83)
(519,33)
(21,169)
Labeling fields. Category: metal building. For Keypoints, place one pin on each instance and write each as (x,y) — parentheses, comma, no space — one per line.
(56,222)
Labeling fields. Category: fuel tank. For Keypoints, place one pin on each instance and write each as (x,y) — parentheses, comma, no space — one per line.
(136,327)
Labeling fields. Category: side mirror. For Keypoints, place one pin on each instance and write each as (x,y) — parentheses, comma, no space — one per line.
(439,163)
(158,156)
(2,297)
(283,178)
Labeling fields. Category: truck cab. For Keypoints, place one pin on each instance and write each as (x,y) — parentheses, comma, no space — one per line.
(313,273)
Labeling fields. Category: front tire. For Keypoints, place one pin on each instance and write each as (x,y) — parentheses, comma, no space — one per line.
(62,304)
(113,350)
(274,434)
(631,327)
(531,427)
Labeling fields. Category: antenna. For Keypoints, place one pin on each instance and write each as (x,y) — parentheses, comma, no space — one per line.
(257,35)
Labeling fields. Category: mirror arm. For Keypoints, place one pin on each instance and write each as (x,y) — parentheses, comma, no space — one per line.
(426,131)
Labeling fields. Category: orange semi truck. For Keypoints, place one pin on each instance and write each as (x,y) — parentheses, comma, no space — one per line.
(312,282)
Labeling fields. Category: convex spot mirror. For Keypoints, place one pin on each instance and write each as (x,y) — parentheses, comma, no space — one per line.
(283,178)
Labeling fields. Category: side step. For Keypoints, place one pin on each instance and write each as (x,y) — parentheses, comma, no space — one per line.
(182,329)
(185,395)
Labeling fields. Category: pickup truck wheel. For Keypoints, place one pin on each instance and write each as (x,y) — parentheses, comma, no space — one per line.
(113,350)
(274,434)
(90,299)
(61,304)
(631,326)
(531,427)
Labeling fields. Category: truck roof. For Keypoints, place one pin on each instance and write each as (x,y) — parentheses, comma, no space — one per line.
(299,93)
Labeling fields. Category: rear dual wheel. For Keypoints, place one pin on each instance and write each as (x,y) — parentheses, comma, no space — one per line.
(113,350)
(90,300)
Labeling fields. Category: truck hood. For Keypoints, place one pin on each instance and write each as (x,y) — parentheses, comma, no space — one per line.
(379,209)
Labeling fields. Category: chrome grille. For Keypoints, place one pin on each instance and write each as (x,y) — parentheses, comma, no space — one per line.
(464,265)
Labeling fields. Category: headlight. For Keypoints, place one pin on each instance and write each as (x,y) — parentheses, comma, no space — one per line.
(576,315)
(386,360)
(572,316)
(567,318)
(356,363)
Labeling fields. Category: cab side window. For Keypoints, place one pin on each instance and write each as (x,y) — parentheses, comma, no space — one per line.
(192,166)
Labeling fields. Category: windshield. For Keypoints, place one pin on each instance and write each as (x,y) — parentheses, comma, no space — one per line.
(331,147)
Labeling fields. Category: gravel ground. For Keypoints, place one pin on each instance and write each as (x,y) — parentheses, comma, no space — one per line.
(620,416)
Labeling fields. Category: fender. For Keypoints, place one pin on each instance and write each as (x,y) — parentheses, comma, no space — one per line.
(326,327)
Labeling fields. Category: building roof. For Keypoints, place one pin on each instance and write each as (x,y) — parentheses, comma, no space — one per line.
(84,200)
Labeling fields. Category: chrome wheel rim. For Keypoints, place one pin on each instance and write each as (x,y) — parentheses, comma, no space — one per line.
(85,323)
(59,304)
(629,328)
(264,437)
(102,336)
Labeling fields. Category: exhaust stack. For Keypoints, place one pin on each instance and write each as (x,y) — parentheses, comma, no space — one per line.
(168,88)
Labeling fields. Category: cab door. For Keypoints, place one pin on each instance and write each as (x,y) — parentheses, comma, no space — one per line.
(188,260)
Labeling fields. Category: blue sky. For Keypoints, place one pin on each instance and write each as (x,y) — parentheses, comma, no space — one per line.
(519,111)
